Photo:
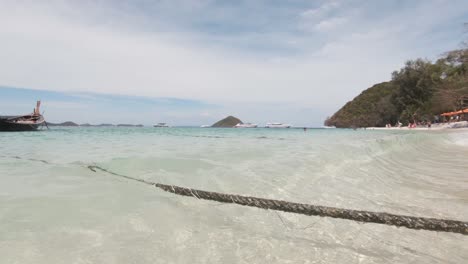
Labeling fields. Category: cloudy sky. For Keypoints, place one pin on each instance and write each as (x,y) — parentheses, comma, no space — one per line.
(194,62)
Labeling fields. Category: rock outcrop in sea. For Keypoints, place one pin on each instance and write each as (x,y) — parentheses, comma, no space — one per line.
(229,121)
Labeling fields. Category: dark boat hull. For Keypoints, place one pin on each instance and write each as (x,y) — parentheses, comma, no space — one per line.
(29,122)
(12,126)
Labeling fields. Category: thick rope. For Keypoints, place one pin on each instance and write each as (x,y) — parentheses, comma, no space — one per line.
(411,222)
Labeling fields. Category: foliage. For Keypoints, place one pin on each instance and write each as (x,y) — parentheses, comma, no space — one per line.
(368,109)
(417,92)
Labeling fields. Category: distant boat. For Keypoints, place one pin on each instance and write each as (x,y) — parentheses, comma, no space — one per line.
(205,126)
(245,125)
(161,125)
(277,125)
(329,127)
(28,122)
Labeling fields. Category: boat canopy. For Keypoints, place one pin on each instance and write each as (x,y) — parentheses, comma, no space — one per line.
(464,111)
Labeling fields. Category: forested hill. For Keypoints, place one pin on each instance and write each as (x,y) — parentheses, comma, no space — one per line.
(418,91)
(229,121)
(372,107)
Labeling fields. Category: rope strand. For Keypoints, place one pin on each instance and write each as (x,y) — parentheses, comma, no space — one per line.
(411,222)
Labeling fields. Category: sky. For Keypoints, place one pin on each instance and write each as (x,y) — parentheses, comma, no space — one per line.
(195,62)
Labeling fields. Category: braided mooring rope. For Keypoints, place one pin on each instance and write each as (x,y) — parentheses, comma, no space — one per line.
(412,222)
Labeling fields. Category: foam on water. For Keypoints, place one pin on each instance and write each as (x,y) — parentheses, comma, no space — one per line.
(55,210)
(460,138)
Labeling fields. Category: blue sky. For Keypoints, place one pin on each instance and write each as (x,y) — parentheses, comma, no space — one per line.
(193,62)
(104,108)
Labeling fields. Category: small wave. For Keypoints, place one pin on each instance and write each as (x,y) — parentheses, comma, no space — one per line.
(460,138)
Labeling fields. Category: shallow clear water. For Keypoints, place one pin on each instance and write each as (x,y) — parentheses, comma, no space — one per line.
(53,209)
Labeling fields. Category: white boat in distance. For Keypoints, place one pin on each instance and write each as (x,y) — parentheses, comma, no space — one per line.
(205,126)
(277,125)
(161,125)
(245,125)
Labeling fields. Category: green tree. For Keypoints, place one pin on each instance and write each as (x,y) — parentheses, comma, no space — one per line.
(416,84)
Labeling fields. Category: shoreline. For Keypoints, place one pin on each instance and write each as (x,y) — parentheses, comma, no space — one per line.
(462,125)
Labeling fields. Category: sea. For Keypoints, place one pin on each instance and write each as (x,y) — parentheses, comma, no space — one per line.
(54,209)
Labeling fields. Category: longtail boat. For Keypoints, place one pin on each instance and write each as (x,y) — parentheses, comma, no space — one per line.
(29,122)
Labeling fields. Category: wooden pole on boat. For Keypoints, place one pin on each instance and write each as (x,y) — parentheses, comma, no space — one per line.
(37,109)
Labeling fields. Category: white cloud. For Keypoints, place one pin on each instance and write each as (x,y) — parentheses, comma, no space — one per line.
(320,11)
(321,18)
(44,50)
(329,24)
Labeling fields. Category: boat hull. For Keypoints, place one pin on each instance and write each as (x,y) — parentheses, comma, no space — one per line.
(278,126)
(29,122)
(248,125)
(12,126)
(161,125)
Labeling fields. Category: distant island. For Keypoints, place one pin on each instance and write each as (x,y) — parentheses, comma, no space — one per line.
(418,92)
(73,124)
(229,121)
(129,125)
(67,123)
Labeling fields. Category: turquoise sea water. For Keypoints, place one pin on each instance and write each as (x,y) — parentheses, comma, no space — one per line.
(53,209)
